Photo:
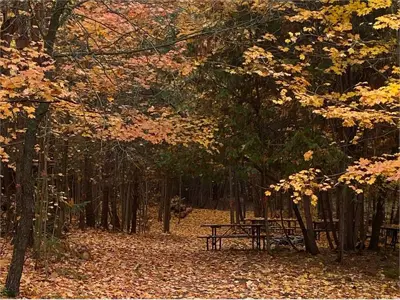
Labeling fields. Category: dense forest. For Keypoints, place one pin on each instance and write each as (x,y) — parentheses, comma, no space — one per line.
(135,119)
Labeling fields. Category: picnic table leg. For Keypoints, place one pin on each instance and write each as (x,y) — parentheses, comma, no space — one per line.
(253,237)
(213,238)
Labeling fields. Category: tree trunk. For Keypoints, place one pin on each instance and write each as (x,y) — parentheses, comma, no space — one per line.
(363,234)
(377,221)
(162,200)
(25,207)
(357,237)
(303,230)
(340,202)
(237,201)
(25,201)
(135,205)
(114,211)
(105,207)
(88,193)
(312,247)
(232,211)
(324,203)
(393,210)
(330,216)
(62,206)
(349,221)
(167,208)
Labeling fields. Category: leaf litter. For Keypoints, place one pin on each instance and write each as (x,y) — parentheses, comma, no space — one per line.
(176,265)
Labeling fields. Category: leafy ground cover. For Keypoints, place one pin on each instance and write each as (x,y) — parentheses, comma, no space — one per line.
(96,263)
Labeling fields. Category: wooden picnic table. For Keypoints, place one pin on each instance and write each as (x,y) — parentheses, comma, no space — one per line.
(291,223)
(391,230)
(251,231)
(320,226)
(272,220)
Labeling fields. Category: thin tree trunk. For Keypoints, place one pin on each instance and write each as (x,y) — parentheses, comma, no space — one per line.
(393,210)
(237,201)
(105,206)
(232,212)
(302,227)
(341,223)
(167,209)
(114,211)
(327,225)
(313,248)
(330,216)
(162,200)
(88,193)
(357,236)
(349,221)
(180,199)
(81,209)
(363,234)
(128,207)
(135,204)
(26,190)
(377,221)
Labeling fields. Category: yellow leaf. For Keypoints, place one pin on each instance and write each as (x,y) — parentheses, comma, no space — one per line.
(308,155)
(308,192)
(314,200)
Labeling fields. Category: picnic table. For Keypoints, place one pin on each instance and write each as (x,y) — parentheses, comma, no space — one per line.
(320,226)
(291,224)
(276,223)
(250,231)
(392,231)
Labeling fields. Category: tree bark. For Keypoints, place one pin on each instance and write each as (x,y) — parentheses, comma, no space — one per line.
(88,193)
(323,200)
(232,211)
(341,223)
(377,221)
(135,205)
(167,209)
(114,211)
(349,221)
(105,206)
(313,248)
(26,189)
(303,230)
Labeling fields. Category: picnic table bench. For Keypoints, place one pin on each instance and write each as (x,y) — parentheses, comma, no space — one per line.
(249,231)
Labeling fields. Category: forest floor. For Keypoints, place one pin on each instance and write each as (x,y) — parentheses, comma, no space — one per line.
(98,264)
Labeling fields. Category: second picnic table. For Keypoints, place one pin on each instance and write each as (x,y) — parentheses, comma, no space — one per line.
(251,231)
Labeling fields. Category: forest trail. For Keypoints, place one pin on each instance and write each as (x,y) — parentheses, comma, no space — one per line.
(175,266)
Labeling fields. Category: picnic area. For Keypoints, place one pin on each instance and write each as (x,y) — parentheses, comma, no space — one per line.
(199,149)
(178,265)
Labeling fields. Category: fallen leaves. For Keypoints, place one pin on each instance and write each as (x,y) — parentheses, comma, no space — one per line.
(177,266)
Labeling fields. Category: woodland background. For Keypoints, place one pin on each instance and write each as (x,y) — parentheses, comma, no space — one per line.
(113,112)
